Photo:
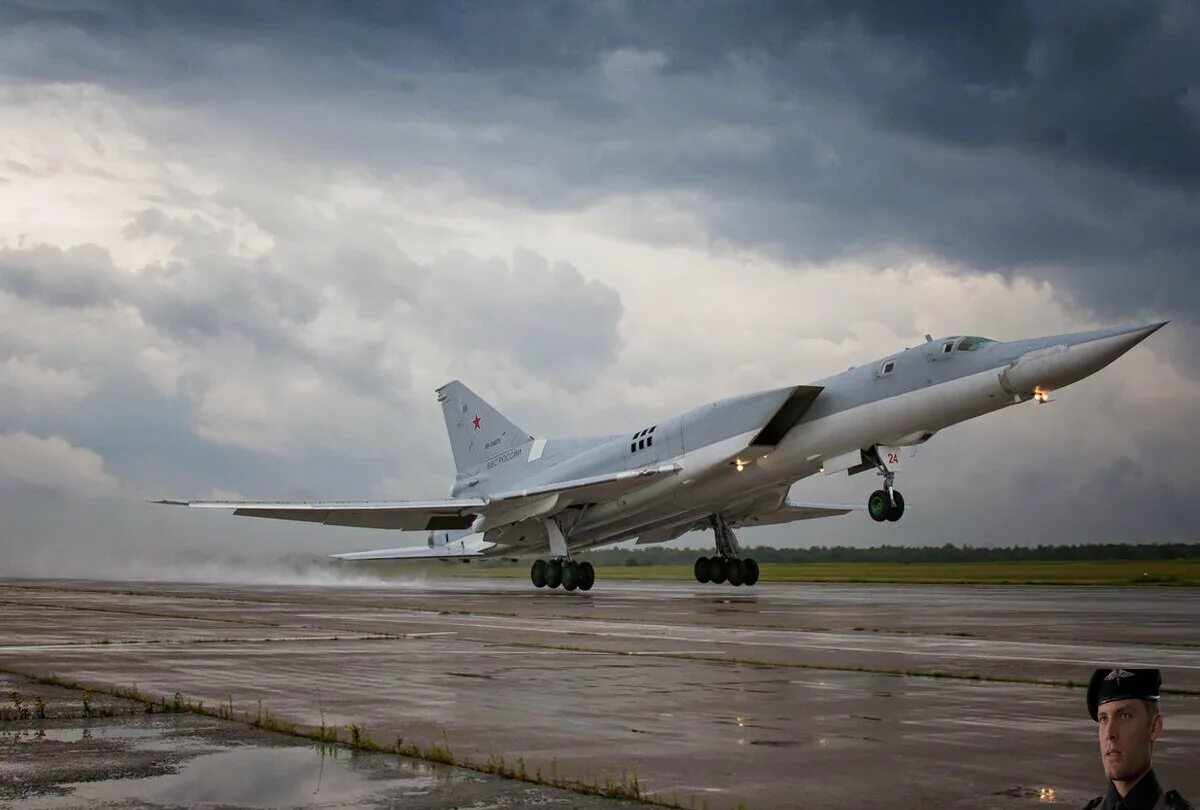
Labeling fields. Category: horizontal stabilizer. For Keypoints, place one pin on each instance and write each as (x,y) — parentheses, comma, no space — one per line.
(469,547)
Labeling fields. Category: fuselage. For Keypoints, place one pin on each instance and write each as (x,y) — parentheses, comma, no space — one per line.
(896,400)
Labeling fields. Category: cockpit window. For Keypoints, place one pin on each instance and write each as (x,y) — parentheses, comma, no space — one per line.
(973,344)
(947,347)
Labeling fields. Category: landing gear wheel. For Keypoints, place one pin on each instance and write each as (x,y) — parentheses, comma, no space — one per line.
(588,576)
(554,573)
(570,576)
(751,572)
(701,570)
(896,507)
(736,572)
(877,506)
(537,573)
(716,570)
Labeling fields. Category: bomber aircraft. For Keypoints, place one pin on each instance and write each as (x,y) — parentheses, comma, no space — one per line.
(722,466)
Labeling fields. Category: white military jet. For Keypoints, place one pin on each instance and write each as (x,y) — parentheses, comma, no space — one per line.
(721,466)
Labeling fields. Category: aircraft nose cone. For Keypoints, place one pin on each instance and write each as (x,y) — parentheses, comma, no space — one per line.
(1147,331)
(1076,357)
(1117,341)
(1089,356)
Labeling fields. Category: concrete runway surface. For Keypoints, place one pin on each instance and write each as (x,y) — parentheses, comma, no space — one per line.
(785,695)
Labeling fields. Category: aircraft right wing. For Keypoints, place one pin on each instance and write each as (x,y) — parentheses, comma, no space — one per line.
(790,511)
(787,512)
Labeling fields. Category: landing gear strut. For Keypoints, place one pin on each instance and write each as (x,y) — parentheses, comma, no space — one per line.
(728,565)
(567,573)
(561,569)
(887,503)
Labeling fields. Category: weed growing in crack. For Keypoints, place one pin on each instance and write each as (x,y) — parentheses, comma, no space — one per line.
(22,711)
(360,740)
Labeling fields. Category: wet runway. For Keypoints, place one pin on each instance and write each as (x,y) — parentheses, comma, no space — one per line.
(58,758)
(781,696)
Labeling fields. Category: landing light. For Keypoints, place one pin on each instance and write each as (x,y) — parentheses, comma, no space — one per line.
(1047,795)
(1041,395)
(739,465)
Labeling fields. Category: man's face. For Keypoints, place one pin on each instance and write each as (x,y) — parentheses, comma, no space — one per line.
(1127,735)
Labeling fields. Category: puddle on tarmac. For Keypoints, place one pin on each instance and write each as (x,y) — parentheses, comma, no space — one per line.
(254,776)
(1045,795)
(78,734)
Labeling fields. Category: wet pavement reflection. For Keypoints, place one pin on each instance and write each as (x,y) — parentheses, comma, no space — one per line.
(849,695)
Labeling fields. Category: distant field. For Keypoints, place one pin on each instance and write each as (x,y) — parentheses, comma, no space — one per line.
(1098,572)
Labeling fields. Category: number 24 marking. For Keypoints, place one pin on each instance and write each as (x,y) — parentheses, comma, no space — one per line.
(893,458)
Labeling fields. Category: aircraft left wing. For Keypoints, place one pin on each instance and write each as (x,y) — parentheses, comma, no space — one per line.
(451,513)
(448,514)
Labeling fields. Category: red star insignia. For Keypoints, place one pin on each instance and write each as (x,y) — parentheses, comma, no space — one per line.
(476,421)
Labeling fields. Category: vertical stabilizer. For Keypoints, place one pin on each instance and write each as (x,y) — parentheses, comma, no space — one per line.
(477,431)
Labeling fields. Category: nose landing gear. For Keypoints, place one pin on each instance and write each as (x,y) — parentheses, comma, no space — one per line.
(728,565)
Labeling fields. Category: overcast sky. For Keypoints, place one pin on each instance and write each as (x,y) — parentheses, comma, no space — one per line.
(241,244)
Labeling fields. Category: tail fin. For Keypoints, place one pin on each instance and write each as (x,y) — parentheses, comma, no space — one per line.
(477,430)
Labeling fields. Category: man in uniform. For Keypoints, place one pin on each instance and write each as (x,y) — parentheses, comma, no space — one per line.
(1124,702)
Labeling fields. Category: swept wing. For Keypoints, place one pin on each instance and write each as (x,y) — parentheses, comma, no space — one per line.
(791,511)
(451,513)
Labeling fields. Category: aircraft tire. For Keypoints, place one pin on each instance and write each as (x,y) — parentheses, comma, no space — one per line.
(735,572)
(701,570)
(537,573)
(570,576)
(751,572)
(895,511)
(877,506)
(554,574)
(716,570)
(589,576)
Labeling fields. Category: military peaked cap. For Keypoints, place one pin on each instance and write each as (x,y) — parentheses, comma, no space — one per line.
(1119,684)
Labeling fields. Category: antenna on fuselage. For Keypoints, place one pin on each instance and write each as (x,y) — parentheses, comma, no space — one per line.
(928,338)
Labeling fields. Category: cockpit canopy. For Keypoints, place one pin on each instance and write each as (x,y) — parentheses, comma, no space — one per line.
(964,343)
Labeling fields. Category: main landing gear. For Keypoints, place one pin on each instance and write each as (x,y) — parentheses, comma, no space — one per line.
(567,573)
(727,566)
(887,503)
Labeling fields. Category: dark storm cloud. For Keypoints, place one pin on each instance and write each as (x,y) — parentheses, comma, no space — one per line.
(76,278)
(222,310)
(1056,140)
